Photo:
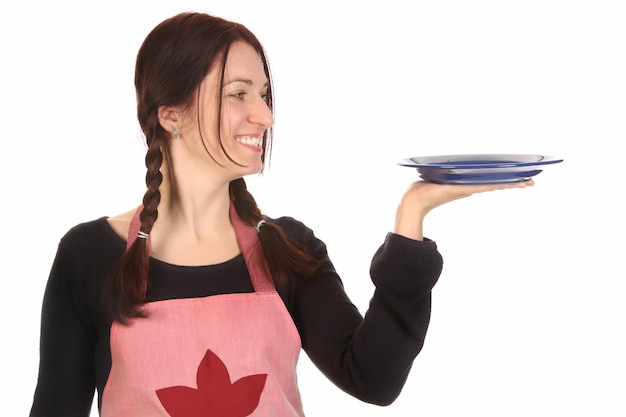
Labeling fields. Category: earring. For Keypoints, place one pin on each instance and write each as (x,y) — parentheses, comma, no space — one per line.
(175,132)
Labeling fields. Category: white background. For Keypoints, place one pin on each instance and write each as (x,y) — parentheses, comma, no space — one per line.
(529,313)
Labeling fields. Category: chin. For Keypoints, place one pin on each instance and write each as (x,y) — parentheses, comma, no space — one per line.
(252,169)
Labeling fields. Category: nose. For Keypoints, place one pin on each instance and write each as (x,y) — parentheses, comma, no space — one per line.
(260,113)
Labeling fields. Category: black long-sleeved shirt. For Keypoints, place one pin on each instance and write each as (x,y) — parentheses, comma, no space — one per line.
(367,356)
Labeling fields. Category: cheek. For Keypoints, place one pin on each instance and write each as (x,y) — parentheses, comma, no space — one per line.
(231,118)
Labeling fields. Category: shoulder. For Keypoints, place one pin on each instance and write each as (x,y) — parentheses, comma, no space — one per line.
(90,239)
(299,232)
(292,227)
(84,254)
(82,231)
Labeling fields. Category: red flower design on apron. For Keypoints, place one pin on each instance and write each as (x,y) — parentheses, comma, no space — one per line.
(216,395)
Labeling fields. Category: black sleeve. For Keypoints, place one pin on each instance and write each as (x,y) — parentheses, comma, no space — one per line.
(369,357)
(66,381)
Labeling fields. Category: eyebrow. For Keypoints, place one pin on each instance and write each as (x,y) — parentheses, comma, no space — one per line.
(244,80)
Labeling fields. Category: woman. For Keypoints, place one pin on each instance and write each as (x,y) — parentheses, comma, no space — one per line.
(194,303)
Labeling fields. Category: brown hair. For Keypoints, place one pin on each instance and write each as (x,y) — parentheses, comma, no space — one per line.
(172,62)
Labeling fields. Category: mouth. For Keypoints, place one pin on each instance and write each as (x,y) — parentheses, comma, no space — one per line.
(251,141)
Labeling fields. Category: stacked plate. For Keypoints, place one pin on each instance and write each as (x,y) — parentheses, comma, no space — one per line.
(479,168)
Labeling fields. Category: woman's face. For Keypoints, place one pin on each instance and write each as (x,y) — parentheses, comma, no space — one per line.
(245,113)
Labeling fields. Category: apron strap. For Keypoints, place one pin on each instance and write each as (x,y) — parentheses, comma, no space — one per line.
(135,225)
(253,253)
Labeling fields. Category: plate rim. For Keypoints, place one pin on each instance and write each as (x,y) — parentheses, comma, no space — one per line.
(545,160)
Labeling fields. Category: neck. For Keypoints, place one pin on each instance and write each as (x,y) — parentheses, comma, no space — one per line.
(193,205)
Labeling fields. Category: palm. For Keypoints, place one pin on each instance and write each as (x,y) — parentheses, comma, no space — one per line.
(427,196)
(422,197)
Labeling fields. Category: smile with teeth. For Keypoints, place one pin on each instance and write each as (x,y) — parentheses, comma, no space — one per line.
(252,141)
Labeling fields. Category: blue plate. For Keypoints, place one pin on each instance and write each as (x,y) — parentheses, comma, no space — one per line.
(479,168)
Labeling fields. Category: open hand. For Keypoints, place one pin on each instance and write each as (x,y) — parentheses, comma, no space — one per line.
(422,197)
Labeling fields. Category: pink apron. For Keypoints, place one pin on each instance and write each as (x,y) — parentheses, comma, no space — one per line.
(229,355)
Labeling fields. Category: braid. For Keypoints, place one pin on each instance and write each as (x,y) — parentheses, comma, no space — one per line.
(154,178)
(283,254)
(131,273)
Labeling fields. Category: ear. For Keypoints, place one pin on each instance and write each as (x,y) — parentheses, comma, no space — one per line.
(169,118)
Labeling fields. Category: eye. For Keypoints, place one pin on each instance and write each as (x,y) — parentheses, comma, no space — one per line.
(237,94)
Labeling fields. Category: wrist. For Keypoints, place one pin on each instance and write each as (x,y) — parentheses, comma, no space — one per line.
(410,221)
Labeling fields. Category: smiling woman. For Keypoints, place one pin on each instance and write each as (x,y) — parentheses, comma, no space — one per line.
(195,301)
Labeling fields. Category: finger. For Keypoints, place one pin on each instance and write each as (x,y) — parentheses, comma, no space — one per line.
(495,187)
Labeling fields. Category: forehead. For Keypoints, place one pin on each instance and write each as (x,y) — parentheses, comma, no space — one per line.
(244,61)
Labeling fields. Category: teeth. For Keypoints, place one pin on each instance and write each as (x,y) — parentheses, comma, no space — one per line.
(247,140)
